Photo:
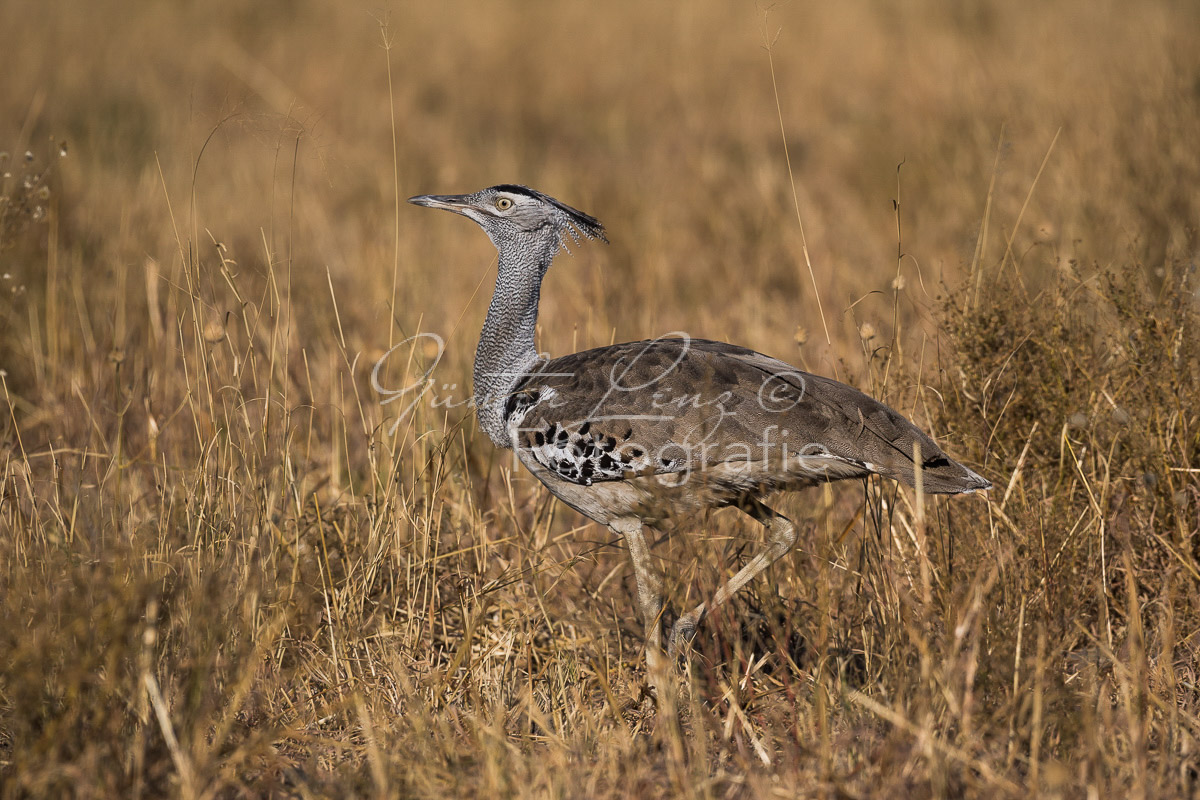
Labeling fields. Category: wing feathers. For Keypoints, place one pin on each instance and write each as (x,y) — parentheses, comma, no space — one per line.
(692,405)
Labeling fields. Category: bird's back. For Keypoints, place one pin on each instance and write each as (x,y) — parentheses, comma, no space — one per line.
(714,417)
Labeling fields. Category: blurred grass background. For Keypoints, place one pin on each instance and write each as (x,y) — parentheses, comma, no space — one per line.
(225,574)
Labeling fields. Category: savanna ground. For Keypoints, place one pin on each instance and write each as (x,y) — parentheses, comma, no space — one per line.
(227,569)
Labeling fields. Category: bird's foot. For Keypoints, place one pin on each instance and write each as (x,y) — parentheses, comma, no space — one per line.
(640,710)
(647,698)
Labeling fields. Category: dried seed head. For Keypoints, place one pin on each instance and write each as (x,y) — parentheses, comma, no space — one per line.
(866,331)
(28,156)
(801,335)
(899,282)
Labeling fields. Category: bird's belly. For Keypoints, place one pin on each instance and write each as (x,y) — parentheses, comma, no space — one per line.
(657,498)
(648,498)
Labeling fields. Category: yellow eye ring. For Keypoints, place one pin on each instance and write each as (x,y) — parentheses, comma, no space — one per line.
(503,203)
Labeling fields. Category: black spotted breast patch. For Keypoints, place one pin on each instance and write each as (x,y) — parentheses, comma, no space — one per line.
(583,454)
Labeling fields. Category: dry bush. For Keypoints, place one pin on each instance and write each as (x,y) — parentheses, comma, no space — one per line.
(228,569)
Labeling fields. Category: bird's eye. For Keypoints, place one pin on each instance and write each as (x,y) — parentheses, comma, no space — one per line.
(503,203)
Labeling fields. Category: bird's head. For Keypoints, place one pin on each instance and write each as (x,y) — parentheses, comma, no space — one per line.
(509,213)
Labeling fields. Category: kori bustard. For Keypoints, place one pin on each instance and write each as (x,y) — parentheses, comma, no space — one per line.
(632,434)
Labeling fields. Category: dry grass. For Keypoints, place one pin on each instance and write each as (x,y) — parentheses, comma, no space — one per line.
(225,573)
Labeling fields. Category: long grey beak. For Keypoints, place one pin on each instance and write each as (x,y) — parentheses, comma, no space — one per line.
(449,202)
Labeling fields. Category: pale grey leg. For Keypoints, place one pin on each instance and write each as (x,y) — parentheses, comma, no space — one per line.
(781,537)
(649,589)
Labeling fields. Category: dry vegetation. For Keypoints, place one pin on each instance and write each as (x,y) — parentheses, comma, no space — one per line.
(226,572)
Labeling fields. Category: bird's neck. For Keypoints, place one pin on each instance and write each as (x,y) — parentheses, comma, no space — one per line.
(506,346)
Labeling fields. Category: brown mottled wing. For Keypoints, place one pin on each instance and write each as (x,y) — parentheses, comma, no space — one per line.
(855,427)
(674,405)
(655,406)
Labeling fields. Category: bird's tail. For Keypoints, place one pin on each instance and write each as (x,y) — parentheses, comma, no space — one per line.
(889,443)
(947,476)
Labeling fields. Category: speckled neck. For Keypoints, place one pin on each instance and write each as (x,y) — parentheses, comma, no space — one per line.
(506,345)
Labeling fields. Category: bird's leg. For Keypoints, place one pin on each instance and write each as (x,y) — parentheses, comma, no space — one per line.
(649,589)
(781,537)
